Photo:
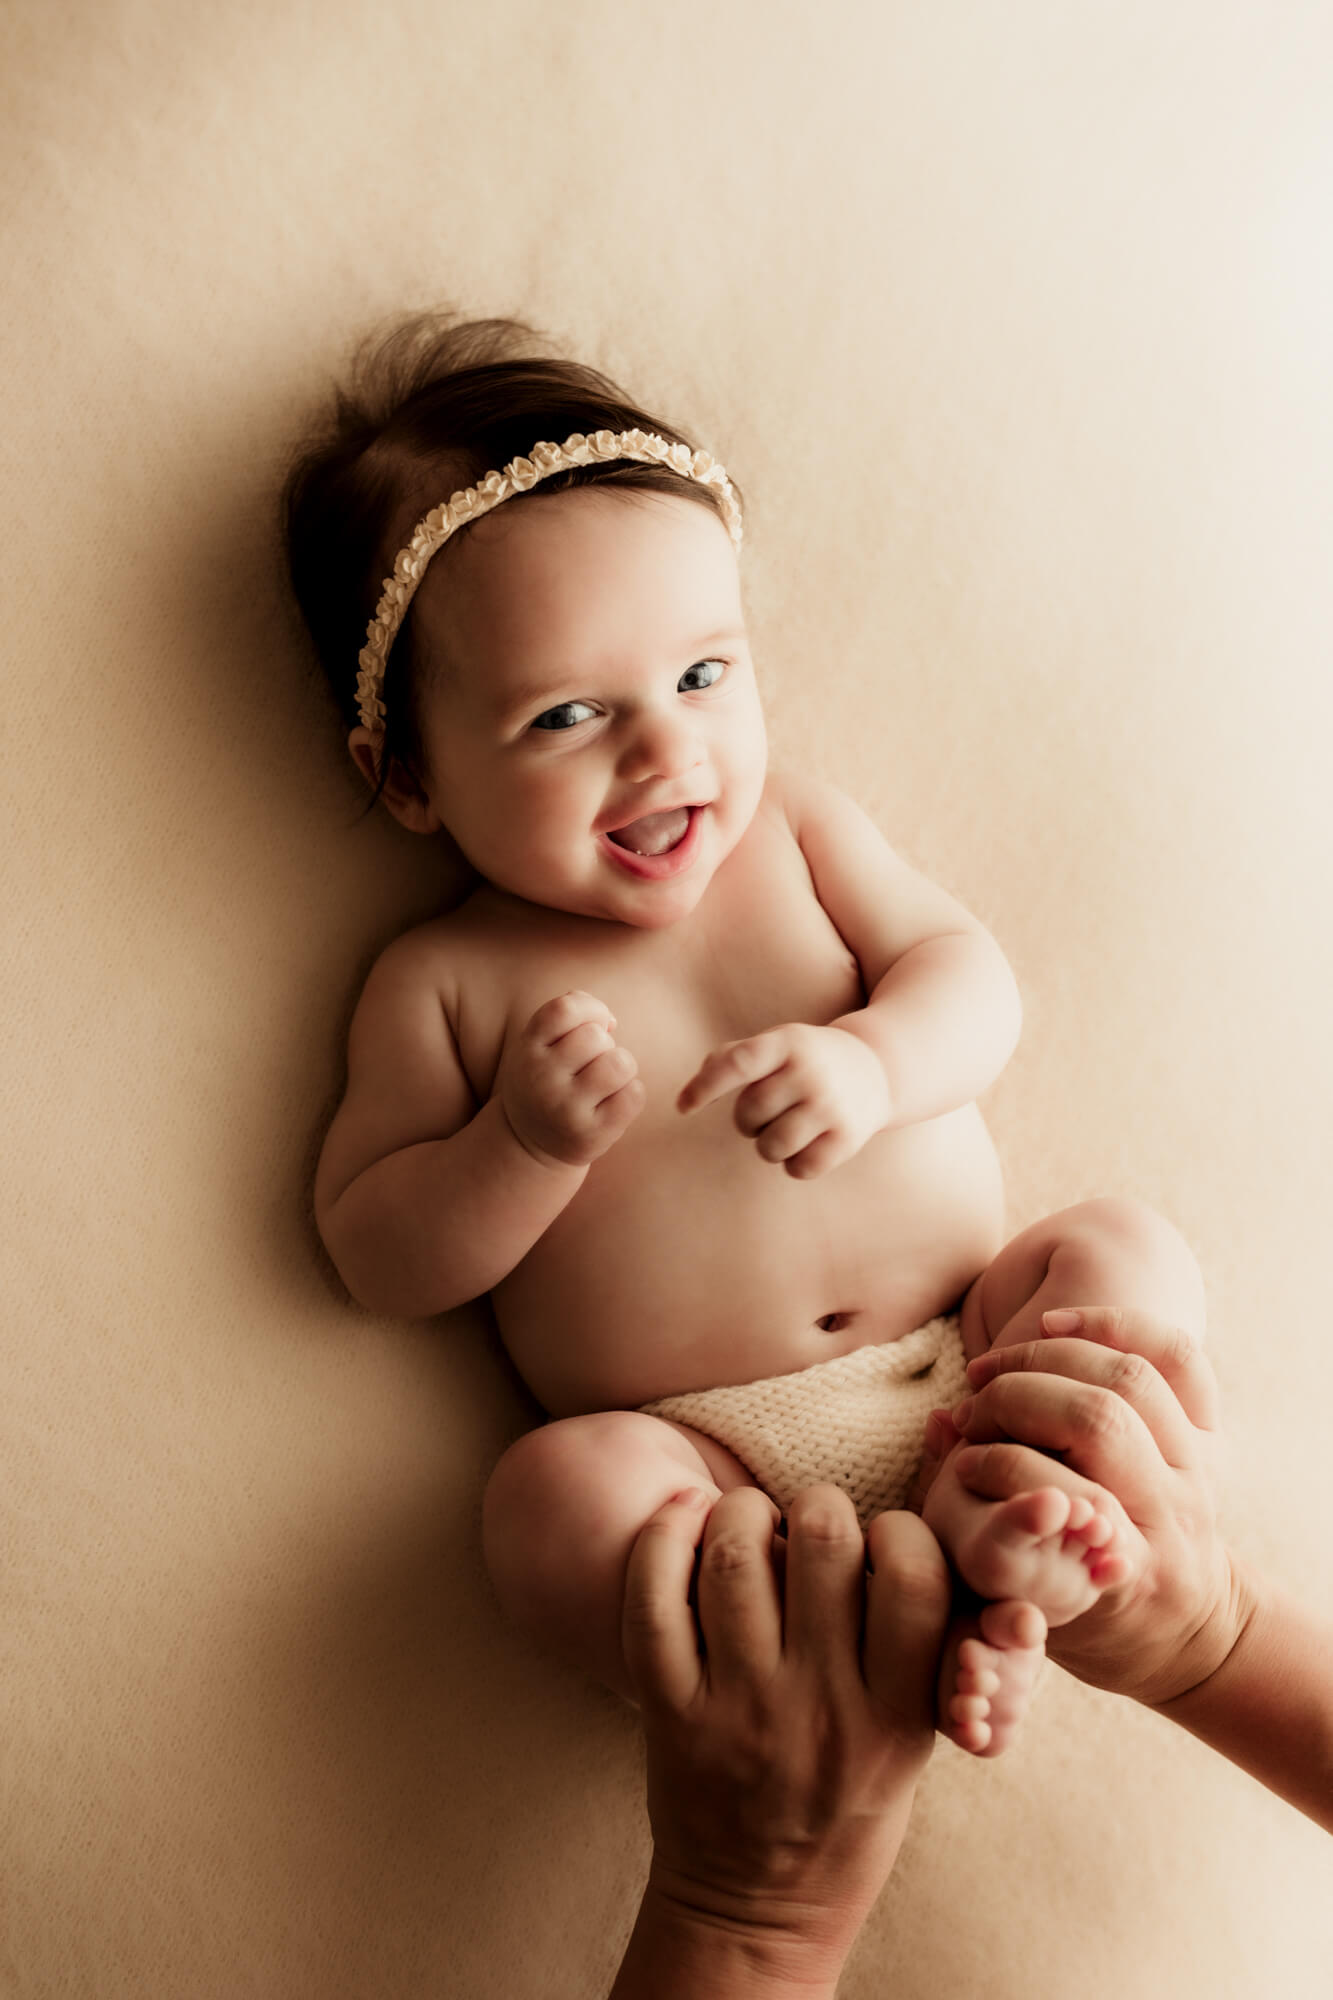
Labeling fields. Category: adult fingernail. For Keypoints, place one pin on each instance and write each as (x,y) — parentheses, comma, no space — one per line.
(1063,1319)
(961,1412)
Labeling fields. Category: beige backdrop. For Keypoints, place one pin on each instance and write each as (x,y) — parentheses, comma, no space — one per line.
(1014,322)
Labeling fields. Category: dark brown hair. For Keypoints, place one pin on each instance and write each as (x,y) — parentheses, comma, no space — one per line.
(430,407)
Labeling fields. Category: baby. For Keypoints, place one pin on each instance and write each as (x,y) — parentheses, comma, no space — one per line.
(687,1083)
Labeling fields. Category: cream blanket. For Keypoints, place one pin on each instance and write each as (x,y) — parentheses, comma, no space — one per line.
(1012,323)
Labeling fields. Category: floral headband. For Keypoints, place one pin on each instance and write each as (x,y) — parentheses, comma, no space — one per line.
(433,532)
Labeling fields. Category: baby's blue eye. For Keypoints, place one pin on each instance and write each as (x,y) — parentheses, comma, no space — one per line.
(563,717)
(713,669)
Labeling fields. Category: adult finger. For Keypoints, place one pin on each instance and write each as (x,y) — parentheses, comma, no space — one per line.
(739,1612)
(1175,1352)
(906,1614)
(1095,1431)
(999,1471)
(727,1068)
(825,1576)
(657,1628)
(1129,1376)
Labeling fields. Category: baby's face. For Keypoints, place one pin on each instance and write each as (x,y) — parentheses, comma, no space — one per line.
(598,674)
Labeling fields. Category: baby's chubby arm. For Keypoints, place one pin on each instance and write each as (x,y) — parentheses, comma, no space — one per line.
(423,1201)
(941,1021)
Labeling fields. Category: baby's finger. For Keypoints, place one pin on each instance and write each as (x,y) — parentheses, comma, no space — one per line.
(826,1151)
(1128,1376)
(657,1628)
(739,1612)
(727,1068)
(907,1610)
(607,1073)
(760,1103)
(825,1577)
(1174,1352)
(791,1134)
(1097,1432)
(556,1017)
(576,1049)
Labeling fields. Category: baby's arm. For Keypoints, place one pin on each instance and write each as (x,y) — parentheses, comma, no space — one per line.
(943,1013)
(939,1025)
(422,1200)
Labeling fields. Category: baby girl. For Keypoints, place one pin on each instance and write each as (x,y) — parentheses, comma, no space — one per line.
(687,1083)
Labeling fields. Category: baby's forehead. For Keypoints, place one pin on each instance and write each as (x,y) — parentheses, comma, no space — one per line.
(538,577)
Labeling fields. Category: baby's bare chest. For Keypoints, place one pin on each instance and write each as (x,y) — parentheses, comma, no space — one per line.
(757,952)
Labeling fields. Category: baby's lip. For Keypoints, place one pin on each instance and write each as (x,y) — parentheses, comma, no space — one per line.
(620,822)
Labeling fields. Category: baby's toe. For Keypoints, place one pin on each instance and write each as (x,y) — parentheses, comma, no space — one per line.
(968,1718)
(1029,1517)
(1013,1626)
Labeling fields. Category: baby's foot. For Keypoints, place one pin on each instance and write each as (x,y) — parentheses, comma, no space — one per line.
(1052,1548)
(987,1673)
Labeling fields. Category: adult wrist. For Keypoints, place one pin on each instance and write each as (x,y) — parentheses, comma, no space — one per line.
(685,1948)
(1208,1652)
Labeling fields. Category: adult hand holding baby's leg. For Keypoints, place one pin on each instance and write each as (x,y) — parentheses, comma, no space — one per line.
(783,1750)
(1129,1401)
(1130,1405)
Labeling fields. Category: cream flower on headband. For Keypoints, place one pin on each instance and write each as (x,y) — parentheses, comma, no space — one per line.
(519,476)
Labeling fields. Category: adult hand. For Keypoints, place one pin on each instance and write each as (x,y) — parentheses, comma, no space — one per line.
(786,1731)
(1129,1403)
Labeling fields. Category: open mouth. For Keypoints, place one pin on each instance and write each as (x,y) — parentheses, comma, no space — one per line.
(658,844)
(655,833)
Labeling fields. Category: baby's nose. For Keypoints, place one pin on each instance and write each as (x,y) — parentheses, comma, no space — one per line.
(662,746)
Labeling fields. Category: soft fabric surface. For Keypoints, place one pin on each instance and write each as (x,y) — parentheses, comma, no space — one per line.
(1013,324)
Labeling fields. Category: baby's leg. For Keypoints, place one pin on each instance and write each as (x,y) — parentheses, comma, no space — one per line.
(1101,1253)
(562,1511)
(1044,1548)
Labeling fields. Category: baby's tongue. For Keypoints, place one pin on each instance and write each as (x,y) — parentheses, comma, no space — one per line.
(654,833)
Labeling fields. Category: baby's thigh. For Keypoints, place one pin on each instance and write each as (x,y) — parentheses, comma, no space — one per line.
(1109,1252)
(562,1511)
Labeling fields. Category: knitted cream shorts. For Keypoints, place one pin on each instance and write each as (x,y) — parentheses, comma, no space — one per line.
(855,1422)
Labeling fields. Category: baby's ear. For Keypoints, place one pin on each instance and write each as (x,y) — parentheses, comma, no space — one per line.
(404,798)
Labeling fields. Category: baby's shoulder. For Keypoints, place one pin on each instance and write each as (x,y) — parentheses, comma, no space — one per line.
(795,797)
(437,953)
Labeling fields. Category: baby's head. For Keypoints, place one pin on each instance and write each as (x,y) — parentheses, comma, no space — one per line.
(572,662)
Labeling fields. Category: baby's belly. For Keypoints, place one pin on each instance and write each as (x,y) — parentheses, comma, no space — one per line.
(698,1264)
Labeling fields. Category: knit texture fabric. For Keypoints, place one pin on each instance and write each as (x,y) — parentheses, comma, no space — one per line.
(855,1421)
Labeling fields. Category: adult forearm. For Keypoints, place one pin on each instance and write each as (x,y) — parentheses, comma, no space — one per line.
(944,1021)
(1269,1706)
(438,1223)
(678,1954)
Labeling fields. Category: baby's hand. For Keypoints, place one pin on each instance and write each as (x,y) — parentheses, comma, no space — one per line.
(811,1097)
(566,1088)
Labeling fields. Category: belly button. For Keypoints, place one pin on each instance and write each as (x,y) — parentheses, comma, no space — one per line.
(833,1322)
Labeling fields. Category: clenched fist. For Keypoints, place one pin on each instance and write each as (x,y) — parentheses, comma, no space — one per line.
(566,1087)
